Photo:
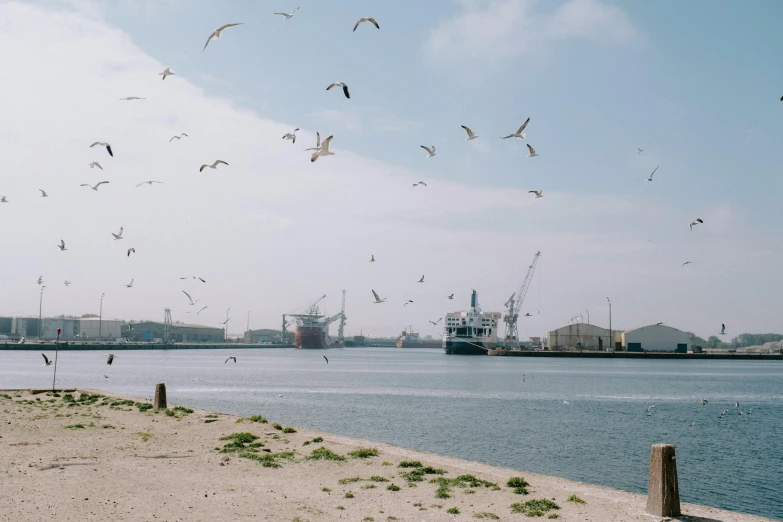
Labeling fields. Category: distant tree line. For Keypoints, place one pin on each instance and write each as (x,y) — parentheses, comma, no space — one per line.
(740,341)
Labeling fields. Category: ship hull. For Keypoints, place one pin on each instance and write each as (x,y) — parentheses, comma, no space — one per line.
(309,338)
(459,347)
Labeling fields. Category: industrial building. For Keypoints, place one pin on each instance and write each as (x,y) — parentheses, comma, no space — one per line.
(71,328)
(657,338)
(579,336)
(178,332)
(265,336)
(93,328)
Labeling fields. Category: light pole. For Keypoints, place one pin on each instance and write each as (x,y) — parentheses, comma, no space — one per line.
(40,309)
(100,320)
(588,315)
(247,328)
(611,348)
(225,331)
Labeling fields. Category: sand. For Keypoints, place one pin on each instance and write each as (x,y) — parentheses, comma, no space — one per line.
(127,464)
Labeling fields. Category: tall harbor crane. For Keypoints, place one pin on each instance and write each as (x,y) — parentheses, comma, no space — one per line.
(514,304)
(341,328)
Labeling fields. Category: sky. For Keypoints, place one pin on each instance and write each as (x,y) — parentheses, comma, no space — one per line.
(694,84)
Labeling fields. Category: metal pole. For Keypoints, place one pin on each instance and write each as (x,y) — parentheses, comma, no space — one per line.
(40,309)
(100,320)
(225,331)
(588,315)
(611,339)
(56,352)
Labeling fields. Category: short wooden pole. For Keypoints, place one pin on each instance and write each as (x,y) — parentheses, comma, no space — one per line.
(160,397)
(663,494)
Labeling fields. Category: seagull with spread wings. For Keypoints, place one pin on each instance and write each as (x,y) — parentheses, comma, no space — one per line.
(166,72)
(103,144)
(129,285)
(150,182)
(216,34)
(213,166)
(118,235)
(378,300)
(649,180)
(531,151)
(95,164)
(430,151)
(471,135)
(519,133)
(366,19)
(436,322)
(343,85)
(129,98)
(291,136)
(323,150)
(94,187)
(183,135)
(421,280)
(43,193)
(191,302)
(288,16)
(131,250)
(61,246)
(419,183)
(697,221)
(47,362)
(194,277)
(317,142)
(538,193)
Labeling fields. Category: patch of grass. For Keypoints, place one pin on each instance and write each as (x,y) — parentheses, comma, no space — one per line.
(211,416)
(349,480)
(108,426)
(391,518)
(277,426)
(241,437)
(268,460)
(340,508)
(410,464)
(519,484)
(289,429)
(67,397)
(534,508)
(75,427)
(369,486)
(306,443)
(257,418)
(445,485)
(553,516)
(453,511)
(417,474)
(143,406)
(326,490)
(318,439)
(364,453)
(145,436)
(368,519)
(486,515)
(575,499)
(324,453)
(5,396)
(378,478)
(393,487)
(348,495)
(121,402)
(242,441)
(170,413)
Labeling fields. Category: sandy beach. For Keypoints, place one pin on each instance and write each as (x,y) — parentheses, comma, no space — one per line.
(85,455)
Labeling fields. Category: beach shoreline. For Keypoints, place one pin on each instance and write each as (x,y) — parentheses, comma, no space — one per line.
(129,462)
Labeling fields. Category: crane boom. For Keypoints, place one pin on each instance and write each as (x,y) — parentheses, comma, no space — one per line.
(514,304)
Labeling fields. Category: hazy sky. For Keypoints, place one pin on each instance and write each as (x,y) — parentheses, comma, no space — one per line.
(696,85)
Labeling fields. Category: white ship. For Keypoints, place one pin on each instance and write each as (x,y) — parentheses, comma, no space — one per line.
(471,332)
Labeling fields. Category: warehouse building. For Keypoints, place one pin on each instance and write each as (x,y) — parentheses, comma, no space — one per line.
(578,336)
(657,338)
(178,332)
(91,328)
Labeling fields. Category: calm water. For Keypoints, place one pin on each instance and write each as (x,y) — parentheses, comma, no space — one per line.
(478,408)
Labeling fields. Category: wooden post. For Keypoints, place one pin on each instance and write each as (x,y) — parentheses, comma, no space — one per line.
(663,494)
(160,397)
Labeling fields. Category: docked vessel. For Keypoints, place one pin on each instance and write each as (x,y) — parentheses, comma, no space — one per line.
(312,328)
(411,339)
(471,332)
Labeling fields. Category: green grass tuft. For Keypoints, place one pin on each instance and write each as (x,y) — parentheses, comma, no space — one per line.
(349,480)
(257,418)
(268,460)
(277,426)
(453,511)
(108,426)
(417,474)
(553,516)
(534,508)
(145,436)
(326,490)
(318,439)
(409,464)
(348,495)
(289,429)
(575,499)
(143,406)
(340,508)
(324,453)
(75,427)
(445,485)
(378,478)
(393,487)
(5,396)
(363,453)
(369,486)
(486,515)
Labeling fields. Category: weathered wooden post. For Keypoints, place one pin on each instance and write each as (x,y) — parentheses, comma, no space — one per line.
(160,399)
(663,494)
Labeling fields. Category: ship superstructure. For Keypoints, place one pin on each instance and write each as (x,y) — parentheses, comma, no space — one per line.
(471,332)
(312,327)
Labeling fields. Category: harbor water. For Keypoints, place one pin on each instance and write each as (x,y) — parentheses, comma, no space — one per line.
(585,420)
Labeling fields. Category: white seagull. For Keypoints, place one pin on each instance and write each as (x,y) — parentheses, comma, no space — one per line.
(39,280)
(194,277)
(372,258)
(66,283)
(532,151)
(639,150)
(649,180)
(419,183)
(698,221)
(213,166)
(129,285)
(343,85)
(3,200)
(291,136)
(288,16)
(317,142)
(43,193)
(191,301)
(538,193)
(129,98)
(201,310)
(118,235)
(230,359)
(150,182)
(519,133)
(436,322)
(109,358)
(325,359)
(421,280)
(47,362)
(178,137)
(323,150)
(103,144)
(430,151)
(61,246)
(166,72)
(366,19)
(450,296)
(95,164)
(378,300)
(131,251)
(687,263)
(471,135)
(94,187)
(216,34)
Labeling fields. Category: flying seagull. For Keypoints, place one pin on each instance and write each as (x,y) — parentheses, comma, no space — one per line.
(61,246)
(166,72)
(450,296)
(39,280)
(343,85)
(288,16)
(519,133)
(687,263)
(378,300)
(109,358)
(43,193)
(3,200)
(419,183)
(367,19)
(639,150)
(722,329)
(216,34)
(421,280)
(436,322)
(201,310)
(698,221)
(658,324)
(47,362)
(291,136)
(430,151)
(372,258)
(118,235)
(651,176)
(538,193)
(178,137)
(471,135)
(224,322)
(409,301)
(66,283)
(95,187)
(192,302)
(95,164)
(531,151)
(194,277)
(231,359)
(129,285)
(325,359)
(129,98)
(150,182)
(213,166)
(104,144)
(528,314)
(317,142)
(704,402)
(324,150)
(131,251)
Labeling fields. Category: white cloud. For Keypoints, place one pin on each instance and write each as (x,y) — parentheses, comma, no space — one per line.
(342,120)
(494,30)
